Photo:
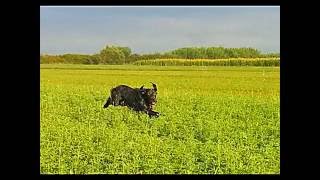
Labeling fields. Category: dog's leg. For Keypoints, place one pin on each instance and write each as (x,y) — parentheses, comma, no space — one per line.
(153,114)
(122,103)
(107,103)
(115,99)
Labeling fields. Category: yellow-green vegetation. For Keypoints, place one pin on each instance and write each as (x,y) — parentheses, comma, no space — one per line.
(273,61)
(214,120)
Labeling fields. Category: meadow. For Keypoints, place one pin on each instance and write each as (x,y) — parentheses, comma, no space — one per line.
(214,120)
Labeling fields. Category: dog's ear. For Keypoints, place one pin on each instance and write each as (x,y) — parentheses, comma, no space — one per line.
(142,90)
(154,86)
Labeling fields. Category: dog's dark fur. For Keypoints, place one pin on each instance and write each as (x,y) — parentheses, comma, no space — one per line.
(139,99)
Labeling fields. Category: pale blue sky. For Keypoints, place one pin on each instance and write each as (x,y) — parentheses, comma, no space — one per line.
(87,30)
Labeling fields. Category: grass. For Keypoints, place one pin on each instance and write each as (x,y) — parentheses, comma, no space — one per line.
(215,120)
(212,62)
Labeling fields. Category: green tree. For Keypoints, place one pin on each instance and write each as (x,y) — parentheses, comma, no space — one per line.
(126,51)
(112,55)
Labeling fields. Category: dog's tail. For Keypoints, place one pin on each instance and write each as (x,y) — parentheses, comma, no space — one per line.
(107,103)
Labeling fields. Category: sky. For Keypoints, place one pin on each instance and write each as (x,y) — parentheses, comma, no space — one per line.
(86,30)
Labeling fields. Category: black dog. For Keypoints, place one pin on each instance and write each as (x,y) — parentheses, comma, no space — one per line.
(138,99)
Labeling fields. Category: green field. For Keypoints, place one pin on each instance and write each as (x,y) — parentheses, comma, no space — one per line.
(215,120)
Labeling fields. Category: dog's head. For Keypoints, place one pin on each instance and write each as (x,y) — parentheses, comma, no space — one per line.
(149,95)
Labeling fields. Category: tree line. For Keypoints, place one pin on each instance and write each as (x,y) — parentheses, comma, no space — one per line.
(123,55)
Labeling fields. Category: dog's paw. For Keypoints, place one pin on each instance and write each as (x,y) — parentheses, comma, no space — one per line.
(154,114)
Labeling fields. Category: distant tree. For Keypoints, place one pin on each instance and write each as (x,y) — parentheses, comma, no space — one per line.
(112,55)
(51,59)
(123,55)
(126,51)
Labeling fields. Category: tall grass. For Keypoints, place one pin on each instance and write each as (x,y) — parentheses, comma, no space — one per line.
(212,62)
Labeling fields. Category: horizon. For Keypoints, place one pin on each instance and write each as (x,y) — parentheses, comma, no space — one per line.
(155,52)
(148,30)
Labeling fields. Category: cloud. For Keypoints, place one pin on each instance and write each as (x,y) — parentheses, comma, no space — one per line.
(154,32)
